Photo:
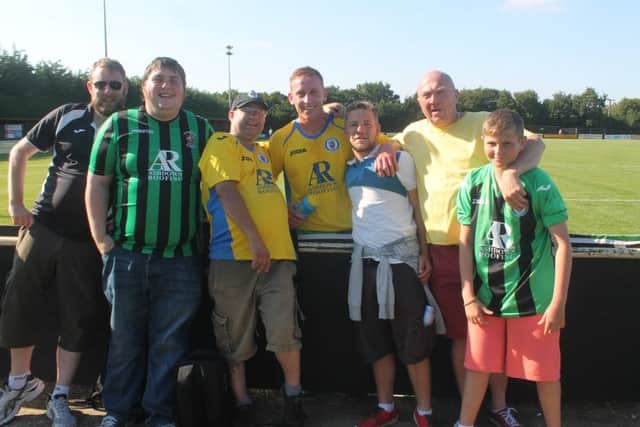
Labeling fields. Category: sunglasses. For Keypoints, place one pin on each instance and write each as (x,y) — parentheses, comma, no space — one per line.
(113,84)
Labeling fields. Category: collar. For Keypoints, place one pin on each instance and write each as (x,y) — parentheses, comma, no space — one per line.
(372,154)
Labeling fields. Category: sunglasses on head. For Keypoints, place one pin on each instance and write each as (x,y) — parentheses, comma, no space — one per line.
(113,84)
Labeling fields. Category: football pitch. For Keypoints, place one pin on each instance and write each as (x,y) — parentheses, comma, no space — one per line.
(599,180)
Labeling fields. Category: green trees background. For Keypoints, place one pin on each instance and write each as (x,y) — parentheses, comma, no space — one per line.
(29,91)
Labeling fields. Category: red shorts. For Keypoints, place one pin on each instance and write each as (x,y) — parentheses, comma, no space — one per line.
(516,346)
(447,288)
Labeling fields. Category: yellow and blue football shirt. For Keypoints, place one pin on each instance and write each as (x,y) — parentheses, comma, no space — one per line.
(226,159)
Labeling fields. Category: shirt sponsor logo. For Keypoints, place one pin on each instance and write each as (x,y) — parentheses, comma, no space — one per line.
(246,158)
(264,181)
(543,188)
(297,151)
(79,130)
(165,167)
(331,144)
(478,202)
(320,179)
(498,244)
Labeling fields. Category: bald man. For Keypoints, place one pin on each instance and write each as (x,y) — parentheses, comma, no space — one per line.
(445,145)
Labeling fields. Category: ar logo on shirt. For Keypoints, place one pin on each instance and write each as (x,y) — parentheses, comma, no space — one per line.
(499,235)
(320,173)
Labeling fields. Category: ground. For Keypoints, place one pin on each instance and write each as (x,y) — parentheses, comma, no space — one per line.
(333,410)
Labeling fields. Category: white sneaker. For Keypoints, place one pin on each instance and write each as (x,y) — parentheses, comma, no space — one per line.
(11,400)
(58,412)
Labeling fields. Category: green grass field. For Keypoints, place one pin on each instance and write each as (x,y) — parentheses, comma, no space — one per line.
(599,179)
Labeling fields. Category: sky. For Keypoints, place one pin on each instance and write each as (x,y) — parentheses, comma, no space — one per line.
(544,45)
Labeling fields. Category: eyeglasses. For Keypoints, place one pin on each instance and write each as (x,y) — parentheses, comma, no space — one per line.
(113,84)
(253,111)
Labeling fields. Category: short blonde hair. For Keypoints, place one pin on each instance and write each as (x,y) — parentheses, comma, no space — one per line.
(306,72)
(503,120)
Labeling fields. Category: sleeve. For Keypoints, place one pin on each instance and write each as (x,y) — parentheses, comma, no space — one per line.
(548,201)
(406,170)
(42,135)
(220,162)
(464,201)
(104,152)
(276,152)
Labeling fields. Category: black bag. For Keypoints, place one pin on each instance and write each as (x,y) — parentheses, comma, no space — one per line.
(203,394)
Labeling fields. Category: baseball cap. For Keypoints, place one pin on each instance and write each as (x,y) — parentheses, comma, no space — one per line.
(247,98)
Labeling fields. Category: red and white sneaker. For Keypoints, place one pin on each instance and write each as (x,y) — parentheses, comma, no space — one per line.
(504,417)
(422,420)
(380,418)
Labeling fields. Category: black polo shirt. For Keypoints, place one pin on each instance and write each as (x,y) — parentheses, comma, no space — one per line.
(69,131)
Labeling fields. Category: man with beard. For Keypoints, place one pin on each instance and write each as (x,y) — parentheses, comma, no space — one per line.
(54,248)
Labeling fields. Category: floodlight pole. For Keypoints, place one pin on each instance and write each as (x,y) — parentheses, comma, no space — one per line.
(104,19)
(229,53)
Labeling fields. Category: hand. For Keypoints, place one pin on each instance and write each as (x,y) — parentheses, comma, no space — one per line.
(512,190)
(20,215)
(105,244)
(261,257)
(295,218)
(424,268)
(475,312)
(386,163)
(553,319)
(335,108)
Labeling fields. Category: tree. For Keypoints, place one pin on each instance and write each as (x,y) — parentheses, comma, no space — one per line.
(485,99)
(628,111)
(562,109)
(530,108)
(590,107)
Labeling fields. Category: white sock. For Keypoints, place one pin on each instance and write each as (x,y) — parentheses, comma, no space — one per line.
(424,411)
(388,407)
(16,382)
(60,389)
(461,425)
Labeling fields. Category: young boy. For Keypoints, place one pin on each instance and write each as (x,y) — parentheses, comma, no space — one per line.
(514,297)
(390,259)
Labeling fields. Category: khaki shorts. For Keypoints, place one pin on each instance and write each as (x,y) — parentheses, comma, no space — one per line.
(238,293)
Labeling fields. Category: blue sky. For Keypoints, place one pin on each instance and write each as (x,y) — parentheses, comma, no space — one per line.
(545,45)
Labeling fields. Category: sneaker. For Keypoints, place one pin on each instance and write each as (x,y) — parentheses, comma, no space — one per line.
(422,420)
(58,412)
(11,400)
(504,417)
(293,415)
(111,421)
(380,418)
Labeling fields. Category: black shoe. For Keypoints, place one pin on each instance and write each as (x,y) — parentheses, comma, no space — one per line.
(293,415)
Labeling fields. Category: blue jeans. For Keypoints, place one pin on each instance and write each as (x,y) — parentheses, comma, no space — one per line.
(153,301)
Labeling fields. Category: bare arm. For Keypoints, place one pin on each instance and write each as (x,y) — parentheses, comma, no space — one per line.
(236,209)
(553,318)
(424,261)
(20,153)
(96,198)
(528,159)
(473,308)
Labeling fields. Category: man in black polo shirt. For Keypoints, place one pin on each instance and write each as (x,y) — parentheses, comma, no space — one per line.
(54,248)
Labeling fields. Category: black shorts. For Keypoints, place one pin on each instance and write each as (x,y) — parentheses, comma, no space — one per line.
(405,335)
(47,264)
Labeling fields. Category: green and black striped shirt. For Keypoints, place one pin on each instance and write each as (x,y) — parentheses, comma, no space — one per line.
(512,250)
(155,198)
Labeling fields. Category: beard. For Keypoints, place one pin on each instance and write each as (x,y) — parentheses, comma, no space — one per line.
(107,107)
